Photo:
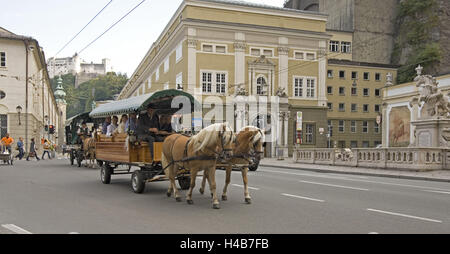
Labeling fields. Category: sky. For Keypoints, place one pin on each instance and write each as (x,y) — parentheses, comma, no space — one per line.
(54,22)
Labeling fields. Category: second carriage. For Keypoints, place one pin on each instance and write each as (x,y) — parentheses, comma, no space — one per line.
(118,154)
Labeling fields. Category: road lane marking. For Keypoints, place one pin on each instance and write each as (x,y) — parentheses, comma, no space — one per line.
(16,229)
(242,186)
(337,186)
(74,233)
(442,192)
(404,215)
(295,196)
(373,233)
(302,174)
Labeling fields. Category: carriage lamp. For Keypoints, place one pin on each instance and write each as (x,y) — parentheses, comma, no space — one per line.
(19,110)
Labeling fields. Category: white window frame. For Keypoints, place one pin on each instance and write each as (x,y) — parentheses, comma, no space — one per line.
(179,81)
(299,52)
(214,48)
(166,64)
(6,60)
(214,82)
(376,128)
(306,56)
(347,46)
(221,85)
(179,52)
(305,91)
(353,126)
(208,44)
(334,46)
(300,91)
(311,87)
(261,51)
(366,127)
(339,126)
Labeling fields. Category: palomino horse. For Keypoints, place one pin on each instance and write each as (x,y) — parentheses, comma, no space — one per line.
(248,147)
(89,150)
(196,154)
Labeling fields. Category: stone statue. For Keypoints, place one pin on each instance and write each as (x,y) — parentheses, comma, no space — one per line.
(281,92)
(436,104)
(240,91)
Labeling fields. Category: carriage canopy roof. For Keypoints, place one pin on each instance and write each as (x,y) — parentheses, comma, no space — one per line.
(83,116)
(161,100)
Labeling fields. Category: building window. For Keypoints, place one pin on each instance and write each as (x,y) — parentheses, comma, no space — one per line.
(377,92)
(377,143)
(260,83)
(341,126)
(377,108)
(206,82)
(334,46)
(342,107)
(310,56)
(354,91)
(354,75)
(365,127)
(366,91)
(329,89)
(341,90)
(353,144)
(166,65)
(366,108)
(207,48)
(377,77)
(353,127)
(298,87)
(221,83)
(299,55)
(341,74)
(268,52)
(366,76)
(179,52)
(2,60)
(310,88)
(3,124)
(376,128)
(354,107)
(255,52)
(179,82)
(309,134)
(157,74)
(365,144)
(341,144)
(346,47)
(221,49)
(330,106)
(330,73)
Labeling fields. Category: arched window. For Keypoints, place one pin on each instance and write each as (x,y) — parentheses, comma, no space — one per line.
(260,83)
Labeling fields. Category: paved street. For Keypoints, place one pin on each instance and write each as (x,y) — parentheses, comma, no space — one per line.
(54,197)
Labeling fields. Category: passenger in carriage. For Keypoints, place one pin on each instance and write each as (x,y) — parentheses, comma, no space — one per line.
(106,124)
(166,125)
(131,124)
(121,128)
(148,128)
(112,127)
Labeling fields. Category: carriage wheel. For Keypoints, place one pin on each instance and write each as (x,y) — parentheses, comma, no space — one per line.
(105,174)
(184,182)
(99,163)
(137,182)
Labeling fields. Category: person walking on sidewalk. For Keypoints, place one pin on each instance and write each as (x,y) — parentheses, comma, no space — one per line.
(46,149)
(6,143)
(20,148)
(32,152)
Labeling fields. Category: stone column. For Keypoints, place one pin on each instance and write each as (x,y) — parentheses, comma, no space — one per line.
(283,64)
(192,60)
(286,130)
(239,60)
(384,126)
(321,86)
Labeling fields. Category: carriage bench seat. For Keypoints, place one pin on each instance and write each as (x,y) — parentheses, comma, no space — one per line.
(143,152)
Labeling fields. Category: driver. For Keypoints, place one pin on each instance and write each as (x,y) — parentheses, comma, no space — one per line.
(83,131)
(148,127)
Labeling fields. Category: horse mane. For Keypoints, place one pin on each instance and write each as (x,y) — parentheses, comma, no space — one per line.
(259,136)
(209,135)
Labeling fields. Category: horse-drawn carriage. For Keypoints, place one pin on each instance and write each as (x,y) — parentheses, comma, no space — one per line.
(74,143)
(114,152)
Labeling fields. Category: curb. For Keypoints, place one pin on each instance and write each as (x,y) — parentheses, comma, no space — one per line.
(360,173)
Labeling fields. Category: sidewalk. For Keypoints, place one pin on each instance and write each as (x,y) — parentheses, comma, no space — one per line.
(440,176)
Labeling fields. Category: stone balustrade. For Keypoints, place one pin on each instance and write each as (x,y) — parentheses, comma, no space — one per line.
(417,159)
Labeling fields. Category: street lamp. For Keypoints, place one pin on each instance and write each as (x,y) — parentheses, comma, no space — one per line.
(19,110)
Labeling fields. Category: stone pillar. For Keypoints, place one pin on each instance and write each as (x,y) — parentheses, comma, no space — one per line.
(192,60)
(239,60)
(283,63)
(384,125)
(321,86)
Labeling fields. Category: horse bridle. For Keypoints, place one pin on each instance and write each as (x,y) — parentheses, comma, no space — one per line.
(252,153)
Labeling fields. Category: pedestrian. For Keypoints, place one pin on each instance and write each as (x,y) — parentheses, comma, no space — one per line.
(33,150)
(20,148)
(106,124)
(46,149)
(6,143)
(113,126)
